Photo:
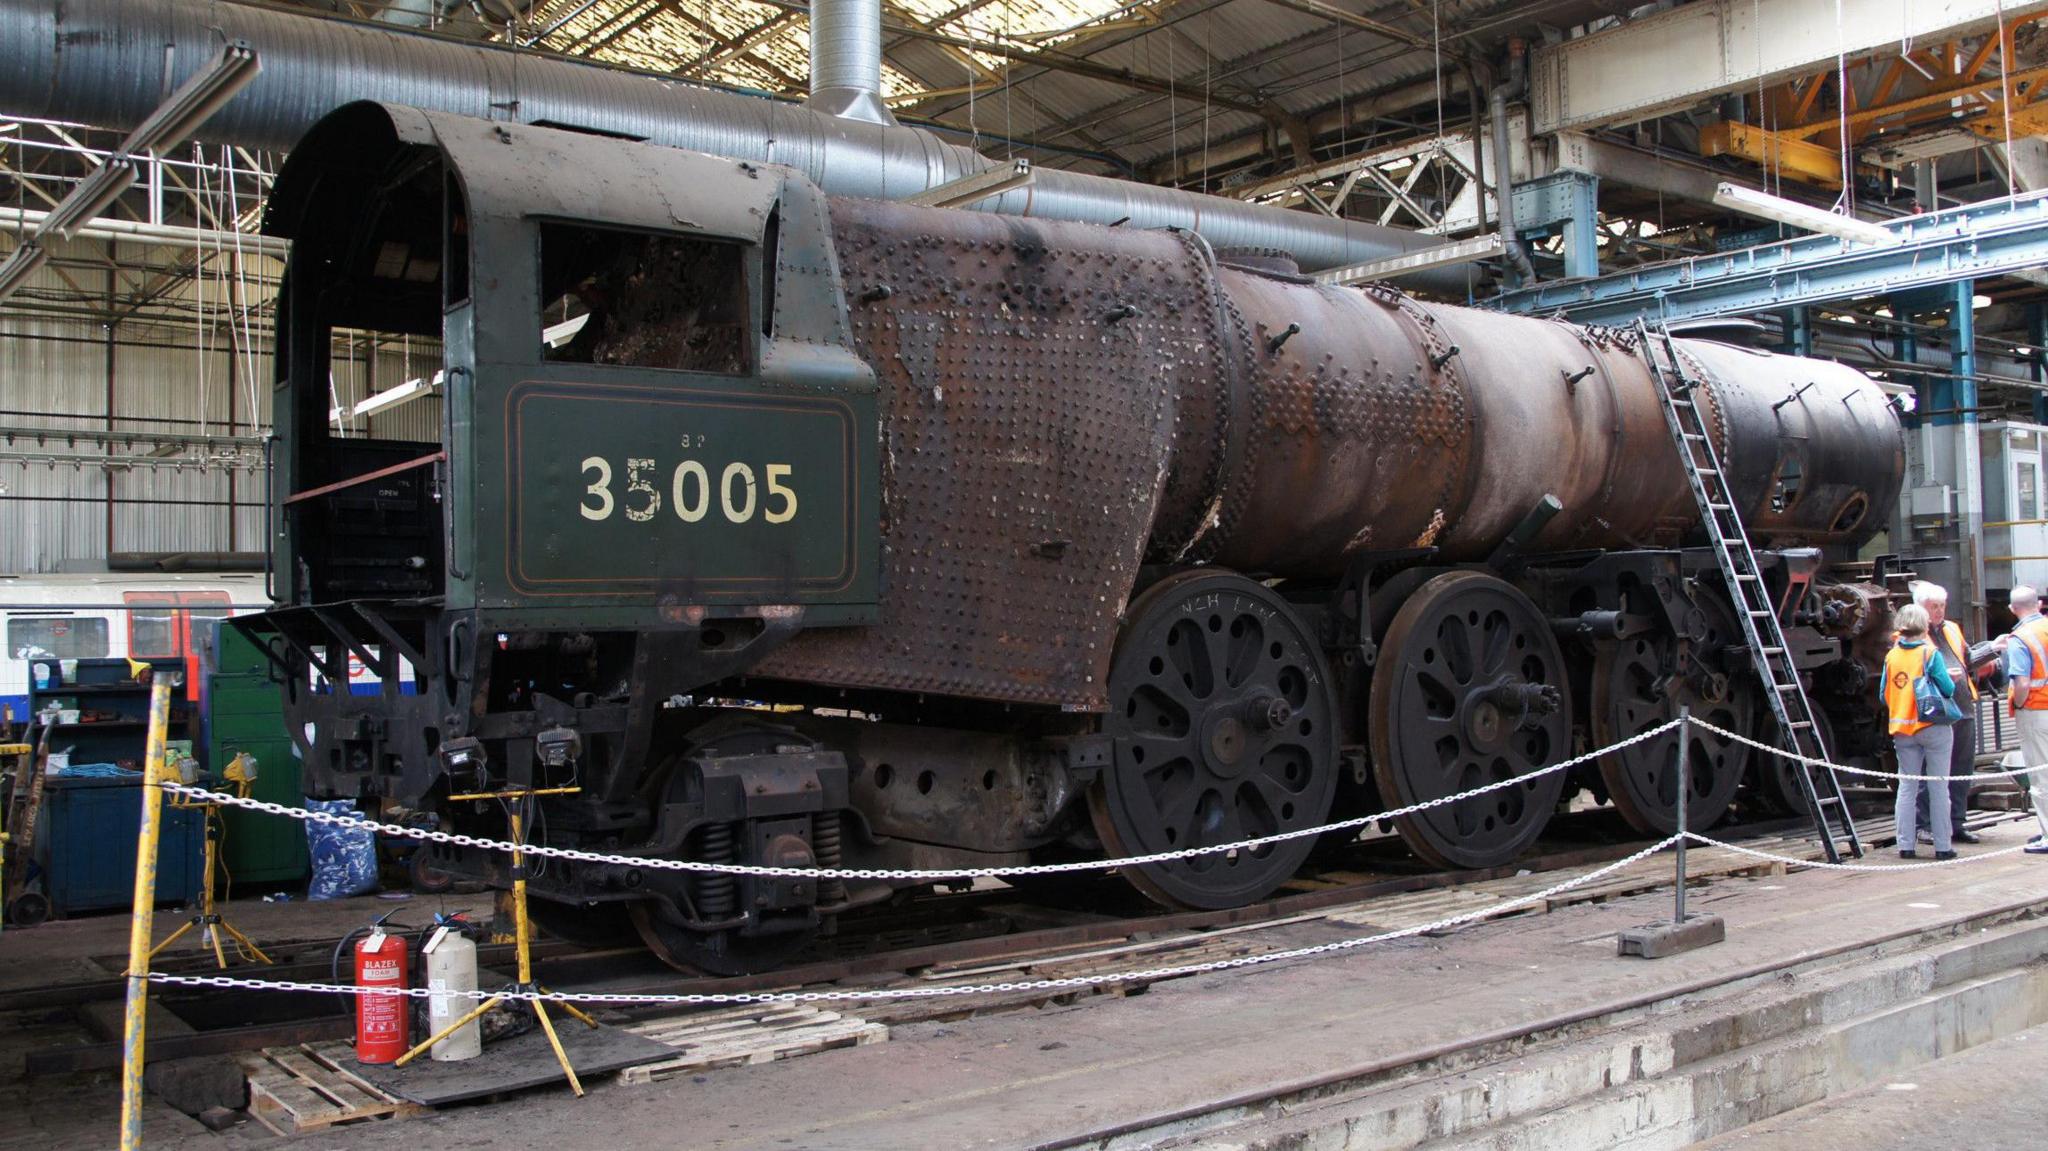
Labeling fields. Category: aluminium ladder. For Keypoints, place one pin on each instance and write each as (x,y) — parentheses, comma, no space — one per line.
(1768,649)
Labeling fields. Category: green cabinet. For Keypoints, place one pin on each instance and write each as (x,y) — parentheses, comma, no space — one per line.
(244,712)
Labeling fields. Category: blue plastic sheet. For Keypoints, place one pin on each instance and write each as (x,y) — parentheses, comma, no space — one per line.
(344,859)
(96,771)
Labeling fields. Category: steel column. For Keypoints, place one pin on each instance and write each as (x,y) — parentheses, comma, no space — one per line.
(1969,455)
(1799,331)
(1565,201)
(2037,337)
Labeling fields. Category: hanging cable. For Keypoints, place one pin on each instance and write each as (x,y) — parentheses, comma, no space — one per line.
(1848,198)
(2005,38)
(1436,47)
(1208,73)
(1343,112)
(1766,116)
(1172,106)
(238,317)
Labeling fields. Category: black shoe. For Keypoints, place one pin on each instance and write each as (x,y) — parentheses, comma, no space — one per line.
(1941,855)
(1961,836)
(1909,853)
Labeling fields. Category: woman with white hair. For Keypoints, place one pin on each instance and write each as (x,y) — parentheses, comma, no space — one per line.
(1947,637)
(1922,748)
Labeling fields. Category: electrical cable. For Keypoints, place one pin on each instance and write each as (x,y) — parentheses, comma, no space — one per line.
(2005,42)
(1847,201)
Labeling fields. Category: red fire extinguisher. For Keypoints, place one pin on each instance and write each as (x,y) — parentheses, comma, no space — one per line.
(383,1022)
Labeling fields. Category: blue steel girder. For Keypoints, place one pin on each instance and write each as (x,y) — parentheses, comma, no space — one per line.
(1565,201)
(1976,241)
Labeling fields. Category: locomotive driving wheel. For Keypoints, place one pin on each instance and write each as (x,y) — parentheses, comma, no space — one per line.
(1640,682)
(1469,690)
(1774,783)
(1223,729)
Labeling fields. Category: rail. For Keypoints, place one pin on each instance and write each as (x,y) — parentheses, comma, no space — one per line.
(1677,840)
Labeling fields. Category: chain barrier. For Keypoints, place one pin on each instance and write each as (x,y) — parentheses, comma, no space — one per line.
(886,993)
(1810,761)
(1075,982)
(575,855)
(1823,865)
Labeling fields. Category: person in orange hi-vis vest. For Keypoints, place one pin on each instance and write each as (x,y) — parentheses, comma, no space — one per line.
(1947,637)
(1921,748)
(2026,669)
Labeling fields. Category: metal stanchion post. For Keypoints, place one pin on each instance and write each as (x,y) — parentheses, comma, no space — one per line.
(523,938)
(160,684)
(1684,932)
(1684,785)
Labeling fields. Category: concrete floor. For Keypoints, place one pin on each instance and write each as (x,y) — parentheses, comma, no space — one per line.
(1038,1078)
(1993,1097)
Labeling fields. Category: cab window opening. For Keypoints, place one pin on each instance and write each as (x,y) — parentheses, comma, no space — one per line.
(643,300)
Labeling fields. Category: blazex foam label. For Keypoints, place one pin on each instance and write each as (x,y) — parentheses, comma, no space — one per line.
(615,490)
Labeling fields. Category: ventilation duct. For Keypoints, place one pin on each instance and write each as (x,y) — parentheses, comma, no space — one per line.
(846,60)
(108,62)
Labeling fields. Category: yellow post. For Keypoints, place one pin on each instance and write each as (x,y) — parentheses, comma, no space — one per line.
(522,938)
(160,686)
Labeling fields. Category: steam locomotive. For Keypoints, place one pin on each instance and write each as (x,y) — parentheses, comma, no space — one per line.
(772,527)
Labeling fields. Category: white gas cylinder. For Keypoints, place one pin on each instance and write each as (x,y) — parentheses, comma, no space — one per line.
(450,959)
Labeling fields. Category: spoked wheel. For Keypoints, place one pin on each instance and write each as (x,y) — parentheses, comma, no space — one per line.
(1641,682)
(1469,690)
(713,952)
(1224,730)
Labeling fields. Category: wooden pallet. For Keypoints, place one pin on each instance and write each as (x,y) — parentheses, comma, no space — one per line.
(293,1090)
(754,1034)
(1099,959)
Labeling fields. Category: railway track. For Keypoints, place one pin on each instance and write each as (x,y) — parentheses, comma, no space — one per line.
(940,936)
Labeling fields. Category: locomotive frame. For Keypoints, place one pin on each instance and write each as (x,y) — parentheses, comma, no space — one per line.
(846,533)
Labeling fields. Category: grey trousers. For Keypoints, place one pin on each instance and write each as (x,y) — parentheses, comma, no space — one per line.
(2033,725)
(1962,761)
(1925,752)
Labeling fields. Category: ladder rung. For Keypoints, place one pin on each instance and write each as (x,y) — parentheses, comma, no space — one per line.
(1721,507)
(1786,686)
(1710,471)
(1694,436)
(1754,614)
(1774,651)
(1799,725)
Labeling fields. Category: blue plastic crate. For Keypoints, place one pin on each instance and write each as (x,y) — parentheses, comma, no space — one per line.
(85,845)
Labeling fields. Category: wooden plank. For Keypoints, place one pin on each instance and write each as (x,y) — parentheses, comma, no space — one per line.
(1166,943)
(295,1090)
(278,1096)
(352,1096)
(758,1035)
